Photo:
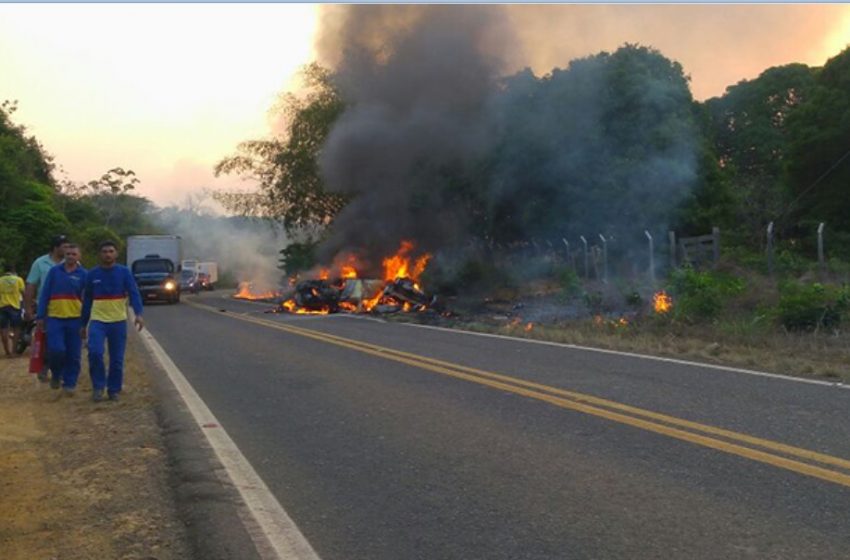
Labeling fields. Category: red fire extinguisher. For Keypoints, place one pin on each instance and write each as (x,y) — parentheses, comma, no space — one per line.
(37,351)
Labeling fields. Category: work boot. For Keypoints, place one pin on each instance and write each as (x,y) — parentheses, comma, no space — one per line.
(42,376)
(113,397)
(69,391)
(97,395)
(55,383)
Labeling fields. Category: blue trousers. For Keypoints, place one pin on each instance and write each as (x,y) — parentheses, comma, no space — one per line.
(64,347)
(114,334)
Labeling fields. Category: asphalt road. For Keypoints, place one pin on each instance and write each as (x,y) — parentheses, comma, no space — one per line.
(388,441)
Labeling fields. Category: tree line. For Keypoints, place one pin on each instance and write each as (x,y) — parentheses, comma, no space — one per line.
(35,206)
(613,140)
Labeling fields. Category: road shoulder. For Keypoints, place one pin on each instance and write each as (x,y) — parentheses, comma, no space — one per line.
(85,480)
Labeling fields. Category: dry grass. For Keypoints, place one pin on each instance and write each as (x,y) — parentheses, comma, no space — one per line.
(81,480)
(806,355)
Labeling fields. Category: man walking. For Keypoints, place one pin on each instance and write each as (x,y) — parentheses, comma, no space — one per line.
(59,308)
(11,291)
(35,282)
(108,286)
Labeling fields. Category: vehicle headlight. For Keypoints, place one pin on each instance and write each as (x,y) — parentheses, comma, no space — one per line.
(169,285)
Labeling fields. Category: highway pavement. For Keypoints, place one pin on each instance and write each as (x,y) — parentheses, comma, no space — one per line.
(390,441)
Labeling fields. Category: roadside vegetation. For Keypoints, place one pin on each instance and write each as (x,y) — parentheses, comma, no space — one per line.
(36,205)
(769,151)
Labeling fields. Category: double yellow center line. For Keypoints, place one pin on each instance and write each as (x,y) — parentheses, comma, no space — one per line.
(803,461)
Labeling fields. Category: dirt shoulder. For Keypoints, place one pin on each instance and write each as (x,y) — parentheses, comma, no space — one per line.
(83,480)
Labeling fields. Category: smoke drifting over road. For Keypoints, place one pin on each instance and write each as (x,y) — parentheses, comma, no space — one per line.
(245,249)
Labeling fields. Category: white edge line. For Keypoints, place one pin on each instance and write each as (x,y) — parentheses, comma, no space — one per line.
(837,385)
(278,528)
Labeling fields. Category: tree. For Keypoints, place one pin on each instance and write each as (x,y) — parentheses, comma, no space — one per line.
(291,189)
(608,144)
(749,127)
(27,203)
(819,162)
(110,188)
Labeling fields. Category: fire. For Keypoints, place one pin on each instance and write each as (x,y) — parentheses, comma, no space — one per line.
(342,288)
(618,323)
(400,266)
(348,306)
(528,327)
(661,302)
(245,291)
(292,307)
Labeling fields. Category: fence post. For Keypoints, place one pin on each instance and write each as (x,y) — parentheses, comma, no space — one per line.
(586,269)
(569,254)
(671,235)
(770,248)
(604,258)
(821,260)
(651,258)
(715,234)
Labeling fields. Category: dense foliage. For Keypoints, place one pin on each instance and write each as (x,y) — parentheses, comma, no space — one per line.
(35,207)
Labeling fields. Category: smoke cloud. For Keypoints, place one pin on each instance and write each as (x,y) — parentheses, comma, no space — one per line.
(416,79)
(432,113)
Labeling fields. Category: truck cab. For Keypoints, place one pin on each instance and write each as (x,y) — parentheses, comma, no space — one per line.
(156,278)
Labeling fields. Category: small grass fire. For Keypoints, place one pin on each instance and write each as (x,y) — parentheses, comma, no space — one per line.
(662,303)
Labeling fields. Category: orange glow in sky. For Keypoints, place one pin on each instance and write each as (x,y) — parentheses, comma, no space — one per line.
(169,89)
(164,89)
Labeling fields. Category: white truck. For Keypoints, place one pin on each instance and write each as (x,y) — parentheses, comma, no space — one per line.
(166,246)
(198,275)
(155,261)
(210,269)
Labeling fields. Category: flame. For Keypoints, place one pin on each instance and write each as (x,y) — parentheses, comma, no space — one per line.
(348,306)
(399,265)
(528,327)
(245,291)
(396,267)
(292,307)
(661,302)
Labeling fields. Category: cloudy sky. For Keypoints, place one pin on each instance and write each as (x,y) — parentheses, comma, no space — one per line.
(169,89)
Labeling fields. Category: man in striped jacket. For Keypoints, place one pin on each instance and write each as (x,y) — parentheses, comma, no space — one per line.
(59,307)
(108,286)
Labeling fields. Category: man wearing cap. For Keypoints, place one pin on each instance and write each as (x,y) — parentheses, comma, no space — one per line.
(108,287)
(35,282)
(60,305)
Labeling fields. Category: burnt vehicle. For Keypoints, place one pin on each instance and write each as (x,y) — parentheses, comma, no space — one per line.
(156,279)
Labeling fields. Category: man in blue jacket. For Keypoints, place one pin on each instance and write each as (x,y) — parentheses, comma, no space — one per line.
(108,286)
(59,308)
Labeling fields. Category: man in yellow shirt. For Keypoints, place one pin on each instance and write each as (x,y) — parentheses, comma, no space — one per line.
(11,291)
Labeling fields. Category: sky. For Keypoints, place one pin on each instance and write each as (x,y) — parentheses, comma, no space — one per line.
(169,89)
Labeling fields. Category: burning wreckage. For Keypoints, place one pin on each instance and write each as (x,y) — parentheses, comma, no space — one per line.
(398,291)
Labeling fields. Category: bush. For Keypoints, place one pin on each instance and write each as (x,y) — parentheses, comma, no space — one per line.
(808,307)
(701,295)
(569,282)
